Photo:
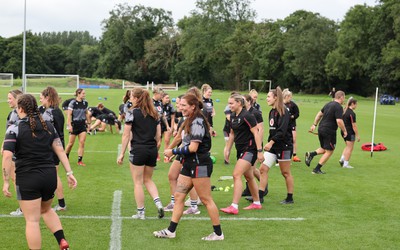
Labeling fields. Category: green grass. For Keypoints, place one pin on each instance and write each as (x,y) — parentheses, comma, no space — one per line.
(344,209)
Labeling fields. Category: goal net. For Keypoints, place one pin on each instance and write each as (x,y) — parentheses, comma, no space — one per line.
(6,79)
(64,84)
(260,85)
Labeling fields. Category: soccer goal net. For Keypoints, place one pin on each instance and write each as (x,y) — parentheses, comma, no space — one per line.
(260,85)
(6,79)
(64,84)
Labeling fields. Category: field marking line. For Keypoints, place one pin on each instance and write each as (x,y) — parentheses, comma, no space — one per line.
(116,221)
(92,217)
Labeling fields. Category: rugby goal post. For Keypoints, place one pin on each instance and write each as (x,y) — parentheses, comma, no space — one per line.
(131,85)
(64,84)
(6,79)
(263,83)
(174,87)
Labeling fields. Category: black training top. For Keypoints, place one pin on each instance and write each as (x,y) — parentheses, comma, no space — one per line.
(257,114)
(279,130)
(66,103)
(208,109)
(293,111)
(56,117)
(331,111)
(12,118)
(143,128)
(241,124)
(168,111)
(78,110)
(257,106)
(198,133)
(31,152)
(95,111)
(227,126)
(159,107)
(349,117)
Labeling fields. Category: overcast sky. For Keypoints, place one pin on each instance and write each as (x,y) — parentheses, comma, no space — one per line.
(86,15)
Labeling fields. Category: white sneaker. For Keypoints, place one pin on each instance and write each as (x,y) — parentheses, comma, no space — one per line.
(164,233)
(139,216)
(187,202)
(169,207)
(213,236)
(17,212)
(191,210)
(59,208)
(348,166)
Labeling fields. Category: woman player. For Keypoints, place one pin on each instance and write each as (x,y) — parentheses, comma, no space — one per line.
(144,124)
(294,113)
(349,119)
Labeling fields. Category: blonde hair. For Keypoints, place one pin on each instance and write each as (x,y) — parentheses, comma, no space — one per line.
(286,92)
(205,87)
(253,91)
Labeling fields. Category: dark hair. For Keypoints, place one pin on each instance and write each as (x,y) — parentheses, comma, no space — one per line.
(127,96)
(196,92)
(192,100)
(350,102)
(28,103)
(78,91)
(144,102)
(248,98)
(51,93)
(279,106)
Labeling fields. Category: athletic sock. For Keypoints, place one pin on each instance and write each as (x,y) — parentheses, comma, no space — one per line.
(140,210)
(313,153)
(157,201)
(345,163)
(61,202)
(289,197)
(256,202)
(172,199)
(260,193)
(342,158)
(235,205)
(80,158)
(193,204)
(59,235)
(318,167)
(172,226)
(217,230)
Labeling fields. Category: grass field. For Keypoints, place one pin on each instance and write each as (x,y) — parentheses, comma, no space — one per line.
(344,209)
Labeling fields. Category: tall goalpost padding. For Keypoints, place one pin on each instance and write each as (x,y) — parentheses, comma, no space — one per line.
(6,79)
(64,84)
(263,84)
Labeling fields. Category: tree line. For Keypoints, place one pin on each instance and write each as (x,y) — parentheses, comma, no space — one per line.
(221,43)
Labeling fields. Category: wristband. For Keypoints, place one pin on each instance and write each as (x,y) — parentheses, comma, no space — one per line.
(70,173)
(259,150)
(315,124)
(181,151)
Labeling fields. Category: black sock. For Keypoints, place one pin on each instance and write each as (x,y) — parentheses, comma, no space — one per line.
(318,167)
(172,226)
(61,202)
(260,193)
(217,230)
(59,236)
(313,153)
(289,197)
(80,158)
(294,154)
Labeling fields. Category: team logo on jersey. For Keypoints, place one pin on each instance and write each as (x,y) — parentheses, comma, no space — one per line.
(209,104)
(159,109)
(271,122)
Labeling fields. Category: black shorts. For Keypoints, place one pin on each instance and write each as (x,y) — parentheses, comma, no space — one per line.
(197,167)
(249,155)
(78,127)
(143,155)
(327,141)
(349,137)
(37,183)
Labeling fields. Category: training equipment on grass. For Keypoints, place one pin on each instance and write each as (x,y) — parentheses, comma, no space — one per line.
(6,79)
(373,123)
(65,84)
(173,99)
(213,159)
(376,147)
(217,100)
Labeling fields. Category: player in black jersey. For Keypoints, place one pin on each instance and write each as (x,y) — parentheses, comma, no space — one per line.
(144,124)
(169,116)
(208,106)
(294,114)
(254,94)
(349,119)
(33,141)
(52,113)
(248,143)
(157,96)
(12,118)
(197,168)
(78,120)
(280,144)
(102,117)
(331,117)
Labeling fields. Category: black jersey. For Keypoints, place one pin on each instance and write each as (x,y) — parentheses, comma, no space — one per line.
(257,106)
(208,107)
(78,109)
(279,130)
(331,111)
(294,112)
(198,133)
(30,152)
(241,124)
(257,114)
(227,126)
(95,112)
(168,111)
(12,118)
(66,103)
(349,117)
(144,128)
(56,117)
(159,107)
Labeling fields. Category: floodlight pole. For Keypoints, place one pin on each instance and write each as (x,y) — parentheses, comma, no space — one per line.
(24,51)
(373,123)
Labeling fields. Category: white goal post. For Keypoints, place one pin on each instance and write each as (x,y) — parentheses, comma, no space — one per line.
(174,87)
(6,79)
(263,84)
(65,84)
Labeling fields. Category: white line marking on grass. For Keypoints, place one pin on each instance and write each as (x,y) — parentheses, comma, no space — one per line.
(116,225)
(102,152)
(89,217)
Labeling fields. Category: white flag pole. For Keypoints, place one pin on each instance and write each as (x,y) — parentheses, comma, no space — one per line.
(373,124)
